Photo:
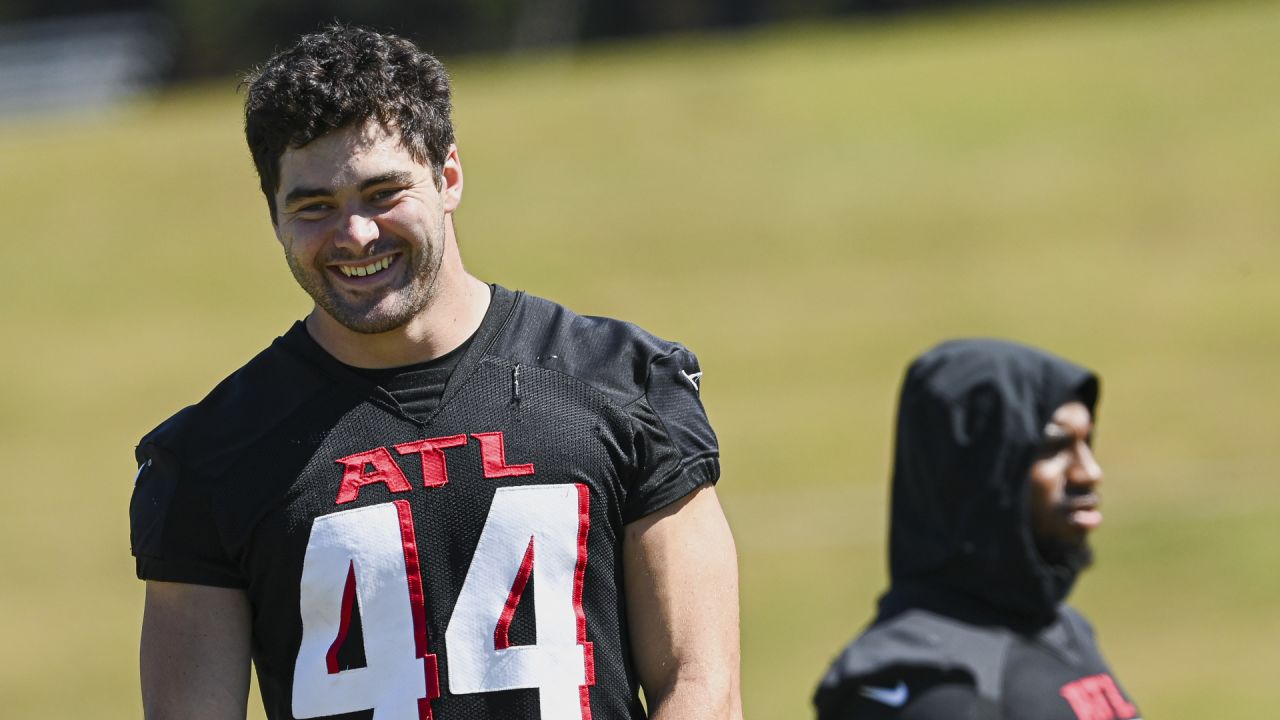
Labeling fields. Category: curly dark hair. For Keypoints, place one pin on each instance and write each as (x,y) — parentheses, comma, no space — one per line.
(339,77)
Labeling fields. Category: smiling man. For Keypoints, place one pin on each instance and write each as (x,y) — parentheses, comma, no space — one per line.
(995,491)
(433,497)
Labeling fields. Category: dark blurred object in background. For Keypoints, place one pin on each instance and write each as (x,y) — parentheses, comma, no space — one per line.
(81,62)
(212,38)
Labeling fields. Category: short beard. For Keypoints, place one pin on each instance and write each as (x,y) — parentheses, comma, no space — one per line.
(368,319)
(1072,557)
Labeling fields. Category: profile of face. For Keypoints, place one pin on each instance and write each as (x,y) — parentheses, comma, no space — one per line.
(1064,497)
(363,225)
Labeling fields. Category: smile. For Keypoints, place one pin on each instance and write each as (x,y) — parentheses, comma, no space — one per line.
(372,268)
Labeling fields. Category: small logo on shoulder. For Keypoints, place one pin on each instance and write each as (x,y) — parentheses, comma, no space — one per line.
(142,469)
(694,379)
(893,697)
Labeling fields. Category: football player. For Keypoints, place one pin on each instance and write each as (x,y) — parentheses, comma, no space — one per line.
(433,497)
(995,492)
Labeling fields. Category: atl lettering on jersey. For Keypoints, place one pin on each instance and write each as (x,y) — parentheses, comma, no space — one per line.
(1097,698)
(378,466)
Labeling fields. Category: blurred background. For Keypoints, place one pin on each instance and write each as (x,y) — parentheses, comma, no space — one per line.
(806,193)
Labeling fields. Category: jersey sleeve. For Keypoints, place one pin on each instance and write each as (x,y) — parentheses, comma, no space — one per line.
(676,449)
(173,532)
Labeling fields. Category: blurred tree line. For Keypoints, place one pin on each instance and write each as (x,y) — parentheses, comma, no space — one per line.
(222,36)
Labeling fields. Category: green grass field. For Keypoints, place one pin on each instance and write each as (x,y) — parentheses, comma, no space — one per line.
(807,207)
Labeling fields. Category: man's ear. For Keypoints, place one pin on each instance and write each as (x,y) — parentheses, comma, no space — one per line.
(451,180)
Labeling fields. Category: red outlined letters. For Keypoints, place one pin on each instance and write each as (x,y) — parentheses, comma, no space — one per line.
(493,454)
(385,470)
(378,465)
(1096,697)
(435,473)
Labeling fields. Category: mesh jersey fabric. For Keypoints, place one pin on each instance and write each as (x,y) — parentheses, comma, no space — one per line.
(231,489)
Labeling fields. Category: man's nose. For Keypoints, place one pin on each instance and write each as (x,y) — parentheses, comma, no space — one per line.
(1085,469)
(357,231)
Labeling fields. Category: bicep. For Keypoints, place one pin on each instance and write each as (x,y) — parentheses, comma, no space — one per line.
(682,603)
(195,651)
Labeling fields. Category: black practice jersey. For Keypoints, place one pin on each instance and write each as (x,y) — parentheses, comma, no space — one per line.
(921,666)
(460,565)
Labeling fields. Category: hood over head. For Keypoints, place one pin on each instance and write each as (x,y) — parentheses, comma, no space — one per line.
(971,418)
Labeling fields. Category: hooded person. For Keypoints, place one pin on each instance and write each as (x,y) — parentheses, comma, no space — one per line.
(994,494)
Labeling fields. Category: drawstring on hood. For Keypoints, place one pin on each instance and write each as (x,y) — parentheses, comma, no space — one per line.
(971,418)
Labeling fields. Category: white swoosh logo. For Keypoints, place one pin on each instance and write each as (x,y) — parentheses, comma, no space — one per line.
(145,465)
(893,697)
(694,379)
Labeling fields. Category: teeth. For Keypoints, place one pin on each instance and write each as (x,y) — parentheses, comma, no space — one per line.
(369,269)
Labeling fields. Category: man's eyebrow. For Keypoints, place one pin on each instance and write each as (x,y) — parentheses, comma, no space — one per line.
(303,193)
(394,177)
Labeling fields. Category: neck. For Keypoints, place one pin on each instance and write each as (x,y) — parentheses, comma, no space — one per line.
(451,317)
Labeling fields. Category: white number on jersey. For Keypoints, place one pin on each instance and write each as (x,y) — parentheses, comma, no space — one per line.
(370,555)
(539,529)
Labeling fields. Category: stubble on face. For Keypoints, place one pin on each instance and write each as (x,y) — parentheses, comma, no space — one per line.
(1063,494)
(381,310)
(1070,555)
(412,233)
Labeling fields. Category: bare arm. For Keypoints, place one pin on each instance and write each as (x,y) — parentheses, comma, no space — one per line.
(195,652)
(682,604)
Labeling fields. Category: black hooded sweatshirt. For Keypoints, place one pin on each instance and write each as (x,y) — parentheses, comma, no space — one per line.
(973,625)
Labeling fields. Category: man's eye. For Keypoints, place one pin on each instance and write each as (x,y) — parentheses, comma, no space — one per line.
(387,194)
